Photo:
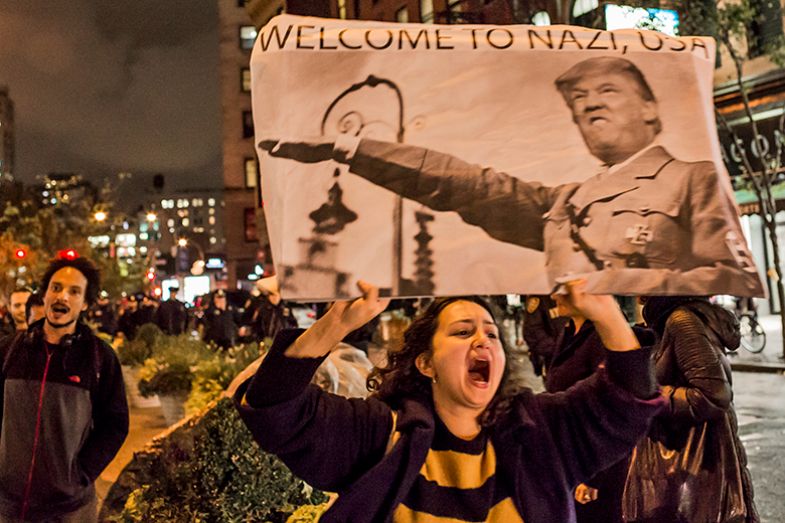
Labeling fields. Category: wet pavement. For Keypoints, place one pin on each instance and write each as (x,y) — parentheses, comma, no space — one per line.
(760,407)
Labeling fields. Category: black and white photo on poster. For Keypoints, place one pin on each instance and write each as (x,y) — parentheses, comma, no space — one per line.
(446,160)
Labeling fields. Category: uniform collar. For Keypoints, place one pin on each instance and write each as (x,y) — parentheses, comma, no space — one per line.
(647,163)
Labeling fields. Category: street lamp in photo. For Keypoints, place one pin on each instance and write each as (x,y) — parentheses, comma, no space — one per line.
(197,268)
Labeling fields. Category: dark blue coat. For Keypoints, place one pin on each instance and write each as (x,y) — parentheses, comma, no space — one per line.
(547,444)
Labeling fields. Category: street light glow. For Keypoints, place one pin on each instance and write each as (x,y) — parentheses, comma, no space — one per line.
(151,217)
(99,216)
(182,242)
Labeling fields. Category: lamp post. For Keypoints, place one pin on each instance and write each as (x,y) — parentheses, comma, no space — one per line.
(197,268)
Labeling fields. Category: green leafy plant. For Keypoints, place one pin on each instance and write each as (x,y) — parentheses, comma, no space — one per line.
(170,369)
(213,374)
(136,351)
(208,469)
(307,513)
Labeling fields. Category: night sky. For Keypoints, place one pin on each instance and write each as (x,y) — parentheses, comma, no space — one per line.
(103,86)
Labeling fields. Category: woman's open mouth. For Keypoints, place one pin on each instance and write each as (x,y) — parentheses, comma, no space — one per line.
(480,372)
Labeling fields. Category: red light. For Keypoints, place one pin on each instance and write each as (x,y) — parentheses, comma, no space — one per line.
(20,254)
(68,254)
(150,274)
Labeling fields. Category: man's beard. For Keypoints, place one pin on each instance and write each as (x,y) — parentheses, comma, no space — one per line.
(60,325)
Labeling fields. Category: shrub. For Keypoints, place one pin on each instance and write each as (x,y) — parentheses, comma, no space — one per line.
(208,469)
(213,374)
(170,369)
(134,352)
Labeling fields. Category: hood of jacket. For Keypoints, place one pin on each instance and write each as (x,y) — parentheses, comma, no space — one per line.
(720,320)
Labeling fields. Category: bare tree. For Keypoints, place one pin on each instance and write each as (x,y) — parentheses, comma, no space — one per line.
(730,24)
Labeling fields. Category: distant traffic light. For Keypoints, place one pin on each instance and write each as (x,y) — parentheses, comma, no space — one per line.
(68,254)
(20,254)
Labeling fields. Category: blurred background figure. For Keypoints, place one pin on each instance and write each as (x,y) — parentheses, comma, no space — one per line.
(692,465)
(219,324)
(16,320)
(34,309)
(542,329)
(146,311)
(103,315)
(578,353)
(127,324)
(171,316)
(270,314)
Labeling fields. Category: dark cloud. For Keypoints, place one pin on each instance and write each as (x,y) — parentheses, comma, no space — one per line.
(101,87)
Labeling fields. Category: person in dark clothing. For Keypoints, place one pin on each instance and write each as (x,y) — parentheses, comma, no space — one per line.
(578,355)
(542,329)
(695,379)
(103,314)
(450,387)
(171,316)
(145,313)
(34,308)
(64,414)
(126,324)
(218,324)
(271,314)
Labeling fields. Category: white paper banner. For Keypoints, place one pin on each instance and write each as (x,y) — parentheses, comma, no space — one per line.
(446,160)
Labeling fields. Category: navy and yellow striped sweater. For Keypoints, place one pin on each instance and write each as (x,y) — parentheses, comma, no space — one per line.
(457,483)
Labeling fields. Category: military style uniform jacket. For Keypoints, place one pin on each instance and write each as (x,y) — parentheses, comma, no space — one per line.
(654,226)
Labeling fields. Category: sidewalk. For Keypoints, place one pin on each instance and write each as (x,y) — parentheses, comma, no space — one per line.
(769,359)
(145,423)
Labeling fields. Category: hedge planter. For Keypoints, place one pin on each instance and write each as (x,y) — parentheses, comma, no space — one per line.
(173,406)
(207,468)
(135,399)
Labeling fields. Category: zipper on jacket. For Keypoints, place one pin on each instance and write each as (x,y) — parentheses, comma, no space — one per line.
(29,484)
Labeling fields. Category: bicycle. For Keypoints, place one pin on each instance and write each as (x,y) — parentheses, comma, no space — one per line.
(753,337)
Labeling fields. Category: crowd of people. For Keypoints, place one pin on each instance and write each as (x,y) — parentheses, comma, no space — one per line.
(445,406)
(637,424)
(215,317)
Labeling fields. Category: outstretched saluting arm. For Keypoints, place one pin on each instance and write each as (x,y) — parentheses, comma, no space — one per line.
(507,208)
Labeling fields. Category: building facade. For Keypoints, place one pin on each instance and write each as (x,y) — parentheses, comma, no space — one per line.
(244,230)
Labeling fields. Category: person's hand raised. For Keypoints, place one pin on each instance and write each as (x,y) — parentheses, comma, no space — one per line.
(353,314)
(308,150)
(594,307)
(341,319)
(603,311)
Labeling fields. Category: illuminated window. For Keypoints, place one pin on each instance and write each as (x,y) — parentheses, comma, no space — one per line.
(212,240)
(247,36)
(197,202)
(426,11)
(251,172)
(211,212)
(342,9)
(186,222)
(402,15)
(170,222)
(211,202)
(245,79)
(581,7)
(211,220)
(541,18)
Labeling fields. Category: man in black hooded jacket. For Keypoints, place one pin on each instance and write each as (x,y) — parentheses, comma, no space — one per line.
(63,411)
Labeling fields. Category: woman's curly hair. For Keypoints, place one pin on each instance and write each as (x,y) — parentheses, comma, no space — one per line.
(400,379)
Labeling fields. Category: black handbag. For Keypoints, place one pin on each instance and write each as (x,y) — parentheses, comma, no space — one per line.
(700,482)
